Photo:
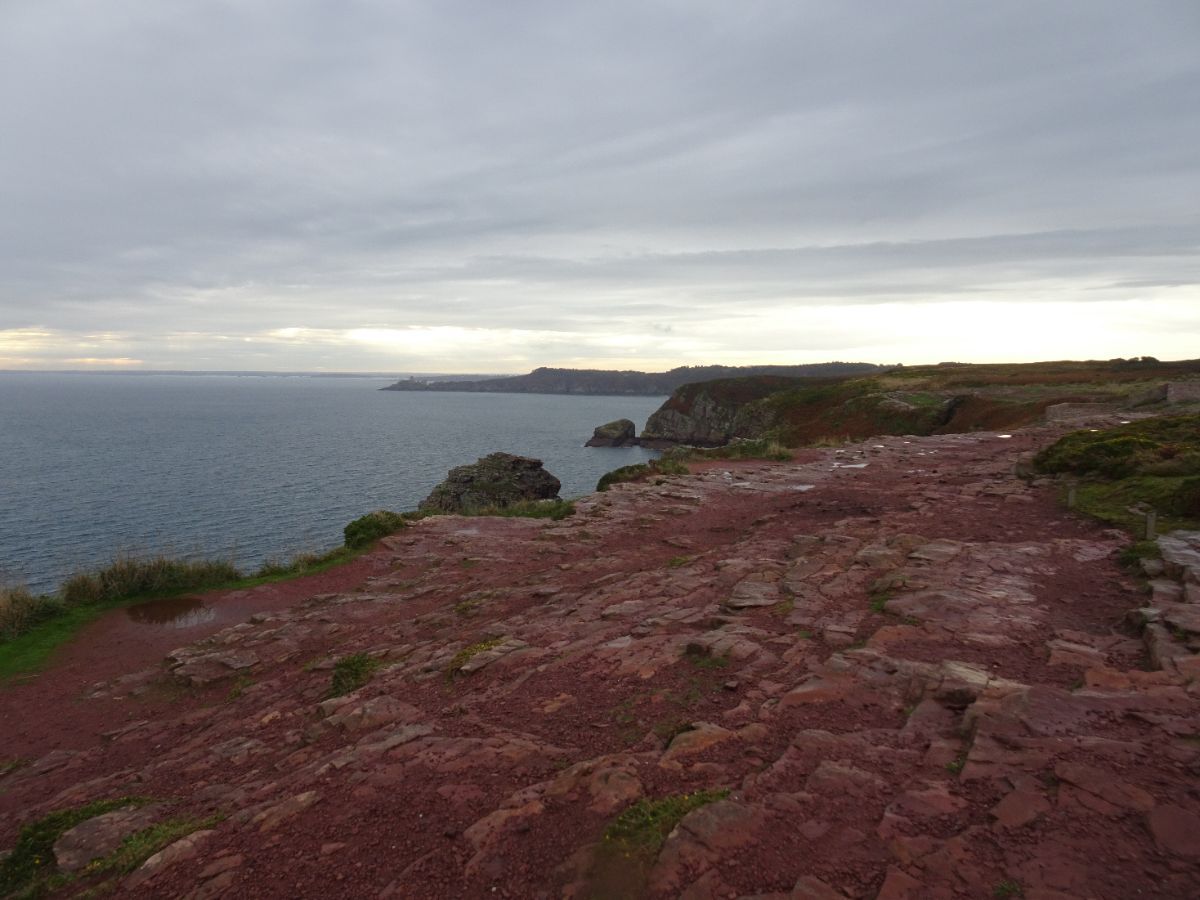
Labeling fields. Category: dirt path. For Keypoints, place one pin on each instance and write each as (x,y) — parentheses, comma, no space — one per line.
(910,671)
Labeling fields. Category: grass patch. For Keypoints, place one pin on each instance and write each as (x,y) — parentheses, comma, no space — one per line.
(33,626)
(642,828)
(128,577)
(1132,556)
(352,672)
(467,653)
(956,765)
(21,610)
(706,660)
(139,847)
(239,687)
(31,867)
(1111,501)
(742,448)
(467,608)
(1008,888)
(667,465)
(879,601)
(783,607)
(676,562)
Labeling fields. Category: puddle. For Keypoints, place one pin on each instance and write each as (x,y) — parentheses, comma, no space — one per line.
(849,465)
(172,612)
(1004,435)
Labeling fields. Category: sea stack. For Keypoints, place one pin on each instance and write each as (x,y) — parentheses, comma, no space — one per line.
(620,433)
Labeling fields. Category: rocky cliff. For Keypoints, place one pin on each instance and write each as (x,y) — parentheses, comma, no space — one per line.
(886,670)
(910,400)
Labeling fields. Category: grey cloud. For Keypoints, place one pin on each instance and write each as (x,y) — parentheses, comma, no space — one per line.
(232,168)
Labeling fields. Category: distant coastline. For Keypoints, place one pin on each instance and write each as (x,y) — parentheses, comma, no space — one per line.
(606,382)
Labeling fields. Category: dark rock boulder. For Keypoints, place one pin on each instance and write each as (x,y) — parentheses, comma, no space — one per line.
(621,433)
(499,479)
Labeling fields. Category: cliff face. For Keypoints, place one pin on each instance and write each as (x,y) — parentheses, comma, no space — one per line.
(947,398)
(792,410)
(711,413)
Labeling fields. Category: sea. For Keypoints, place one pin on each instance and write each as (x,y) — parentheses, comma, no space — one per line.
(252,467)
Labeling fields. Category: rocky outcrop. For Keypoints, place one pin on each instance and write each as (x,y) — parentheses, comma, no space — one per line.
(710,413)
(795,410)
(618,433)
(499,479)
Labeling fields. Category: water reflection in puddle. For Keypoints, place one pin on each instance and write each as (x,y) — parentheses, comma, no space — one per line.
(172,612)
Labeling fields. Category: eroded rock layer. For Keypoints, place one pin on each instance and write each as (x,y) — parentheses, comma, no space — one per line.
(914,675)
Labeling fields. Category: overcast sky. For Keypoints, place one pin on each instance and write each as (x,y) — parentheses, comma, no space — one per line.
(447,186)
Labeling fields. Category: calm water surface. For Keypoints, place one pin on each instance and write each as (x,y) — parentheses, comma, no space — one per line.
(248,467)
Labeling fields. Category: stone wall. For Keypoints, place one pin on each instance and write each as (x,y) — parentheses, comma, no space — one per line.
(1183,392)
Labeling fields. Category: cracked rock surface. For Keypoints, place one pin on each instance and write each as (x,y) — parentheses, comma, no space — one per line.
(914,674)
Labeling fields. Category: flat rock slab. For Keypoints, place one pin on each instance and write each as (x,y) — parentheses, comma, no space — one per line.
(102,835)
(757,590)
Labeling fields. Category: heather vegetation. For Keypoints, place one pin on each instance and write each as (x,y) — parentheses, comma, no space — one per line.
(919,400)
(1123,472)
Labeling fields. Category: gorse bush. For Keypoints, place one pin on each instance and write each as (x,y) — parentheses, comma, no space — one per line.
(1163,447)
(374,525)
(1152,463)
(128,577)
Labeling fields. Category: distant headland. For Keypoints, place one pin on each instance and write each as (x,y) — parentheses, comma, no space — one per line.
(605,382)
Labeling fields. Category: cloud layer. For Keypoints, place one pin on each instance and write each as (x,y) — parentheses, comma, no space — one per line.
(473,186)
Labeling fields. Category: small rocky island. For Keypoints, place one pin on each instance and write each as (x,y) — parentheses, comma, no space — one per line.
(618,433)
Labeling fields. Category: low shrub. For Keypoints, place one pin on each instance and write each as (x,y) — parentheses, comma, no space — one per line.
(128,577)
(374,525)
(352,672)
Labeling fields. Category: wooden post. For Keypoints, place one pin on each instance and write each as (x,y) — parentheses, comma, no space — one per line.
(1151,524)
(1071,485)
